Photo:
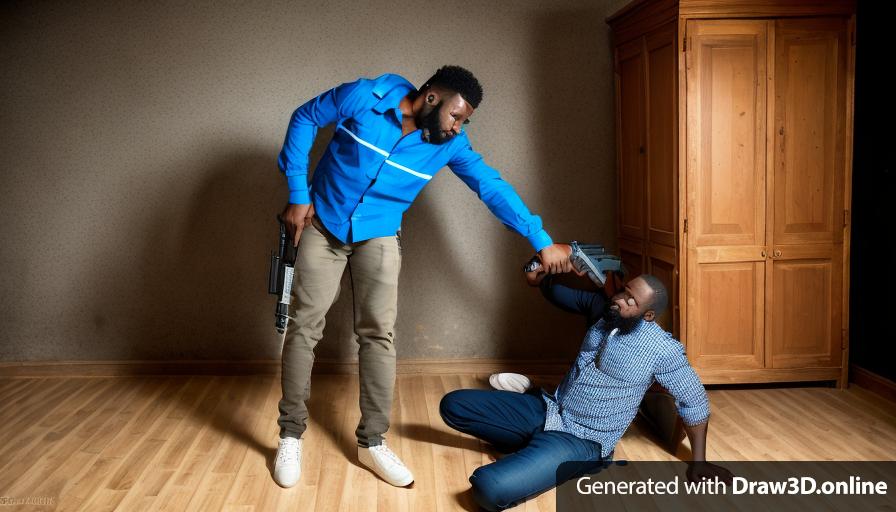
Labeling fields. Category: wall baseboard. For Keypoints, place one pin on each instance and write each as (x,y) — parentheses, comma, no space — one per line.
(873,382)
(271,367)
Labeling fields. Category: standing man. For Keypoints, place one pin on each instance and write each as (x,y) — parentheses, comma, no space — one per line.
(390,139)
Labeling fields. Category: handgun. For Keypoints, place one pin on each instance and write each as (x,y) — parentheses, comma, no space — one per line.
(280,277)
(589,259)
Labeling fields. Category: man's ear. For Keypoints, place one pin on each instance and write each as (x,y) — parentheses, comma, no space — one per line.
(649,315)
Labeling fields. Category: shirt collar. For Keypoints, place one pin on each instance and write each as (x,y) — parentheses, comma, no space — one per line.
(390,99)
(390,96)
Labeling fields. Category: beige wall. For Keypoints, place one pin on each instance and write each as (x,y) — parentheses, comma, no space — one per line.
(139,181)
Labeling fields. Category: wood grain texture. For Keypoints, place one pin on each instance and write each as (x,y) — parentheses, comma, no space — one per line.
(763,94)
(631,140)
(806,176)
(765,8)
(661,135)
(726,102)
(207,442)
(52,369)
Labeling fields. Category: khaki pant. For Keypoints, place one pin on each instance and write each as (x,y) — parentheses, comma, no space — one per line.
(373,266)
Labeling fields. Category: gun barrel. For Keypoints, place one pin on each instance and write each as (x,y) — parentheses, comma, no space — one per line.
(280,278)
(281,317)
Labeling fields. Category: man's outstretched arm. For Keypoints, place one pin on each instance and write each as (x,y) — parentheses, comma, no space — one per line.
(503,201)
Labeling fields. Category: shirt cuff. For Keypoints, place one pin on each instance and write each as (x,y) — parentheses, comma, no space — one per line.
(694,423)
(299,197)
(692,416)
(298,194)
(540,240)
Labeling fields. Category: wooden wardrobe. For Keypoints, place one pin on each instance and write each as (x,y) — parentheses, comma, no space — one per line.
(734,155)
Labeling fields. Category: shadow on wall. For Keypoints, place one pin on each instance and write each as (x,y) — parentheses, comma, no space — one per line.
(572,101)
(573,105)
(196,287)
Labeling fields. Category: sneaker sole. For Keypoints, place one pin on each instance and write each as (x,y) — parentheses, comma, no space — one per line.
(384,479)
(287,485)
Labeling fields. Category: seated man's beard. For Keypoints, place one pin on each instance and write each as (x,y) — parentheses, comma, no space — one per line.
(432,129)
(614,320)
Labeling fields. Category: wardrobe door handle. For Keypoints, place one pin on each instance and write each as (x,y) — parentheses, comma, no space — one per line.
(763,254)
(778,253)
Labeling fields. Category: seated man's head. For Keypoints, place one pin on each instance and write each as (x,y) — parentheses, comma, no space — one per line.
(448,100)
(644,298)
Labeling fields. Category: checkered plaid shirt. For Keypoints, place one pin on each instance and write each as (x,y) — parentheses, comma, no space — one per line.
(600,394)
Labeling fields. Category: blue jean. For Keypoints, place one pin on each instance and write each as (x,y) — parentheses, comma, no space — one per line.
(514,424)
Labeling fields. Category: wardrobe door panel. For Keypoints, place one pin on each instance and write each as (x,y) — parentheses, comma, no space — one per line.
(662,178)
(726,178)
(807,184)
(630,124)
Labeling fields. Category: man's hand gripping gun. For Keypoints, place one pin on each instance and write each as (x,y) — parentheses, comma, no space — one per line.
(588,259)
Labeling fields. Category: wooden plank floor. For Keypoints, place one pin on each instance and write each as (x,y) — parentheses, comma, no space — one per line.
(207,442)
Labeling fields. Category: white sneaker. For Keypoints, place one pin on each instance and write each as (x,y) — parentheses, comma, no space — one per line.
(288,465)
(510,382)
(383,461)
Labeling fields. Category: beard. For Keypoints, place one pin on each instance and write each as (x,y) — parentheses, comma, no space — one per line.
(431,126)
(614,320)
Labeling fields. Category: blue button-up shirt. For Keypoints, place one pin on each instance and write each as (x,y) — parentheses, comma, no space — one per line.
(370,174)
(599,396)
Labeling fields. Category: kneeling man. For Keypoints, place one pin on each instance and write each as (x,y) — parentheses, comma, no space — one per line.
(624,351)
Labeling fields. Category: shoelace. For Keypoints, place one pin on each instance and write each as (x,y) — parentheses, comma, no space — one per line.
(388,453)
(289,451)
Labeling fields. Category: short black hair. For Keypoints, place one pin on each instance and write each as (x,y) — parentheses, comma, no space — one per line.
(457,79)
(660,300)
